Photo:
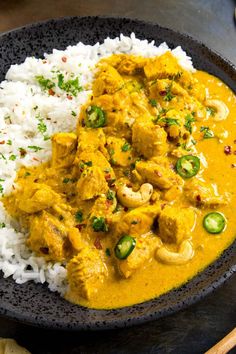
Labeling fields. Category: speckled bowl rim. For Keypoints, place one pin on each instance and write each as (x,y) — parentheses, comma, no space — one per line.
(89,319)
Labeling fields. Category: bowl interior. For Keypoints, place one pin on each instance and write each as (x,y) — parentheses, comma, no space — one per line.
(34,303)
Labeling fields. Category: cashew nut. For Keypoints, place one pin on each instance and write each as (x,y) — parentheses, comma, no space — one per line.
(222,110)
(183,256)
(131,199)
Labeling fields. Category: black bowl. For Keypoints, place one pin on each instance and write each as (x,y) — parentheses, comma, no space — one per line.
(34,303)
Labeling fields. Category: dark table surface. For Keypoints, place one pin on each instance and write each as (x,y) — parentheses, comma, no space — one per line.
(197,328)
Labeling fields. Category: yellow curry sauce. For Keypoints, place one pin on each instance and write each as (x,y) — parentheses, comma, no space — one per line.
(120,178)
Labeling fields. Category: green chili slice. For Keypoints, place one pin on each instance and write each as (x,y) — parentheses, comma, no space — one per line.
(214,222)
(124,247)
(95,117)
(188,166)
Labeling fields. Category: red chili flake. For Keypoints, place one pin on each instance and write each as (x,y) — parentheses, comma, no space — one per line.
(198,198)
(97,244)
(79,226)
(227,150)
(23,152)
(69,97)
(107,176)
(51,92)
(159,174)
(2,142)
(64,59)
(35,159)
(162,93)
(233,165)
(44,250)
(235,141)
(235,152)
(108,203)
(126,209)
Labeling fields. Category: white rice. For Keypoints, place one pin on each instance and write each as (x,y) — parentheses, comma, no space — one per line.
(24,105)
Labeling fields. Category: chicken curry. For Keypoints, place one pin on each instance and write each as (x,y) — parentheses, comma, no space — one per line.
(140,198)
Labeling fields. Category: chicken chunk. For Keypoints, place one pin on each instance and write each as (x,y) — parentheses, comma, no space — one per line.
(142,253)
(95,139)
(158,174)
(204,195)
(120,151)
(89,158)
(164,66)
(92,183)
(35,197)
(48,237)
(175,224)
(63,149)
(86,272)
(104,205)
(138,221)
(108,80)
(149,139)
(128,65)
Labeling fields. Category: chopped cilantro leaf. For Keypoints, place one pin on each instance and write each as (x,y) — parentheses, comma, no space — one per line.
(125,147)
(207,133)
(153,102)
(111,151)
(211,111)
(67,180)
(71,86)
(185,147)
(168,97)
(188,122)
(9,142)
(167,121)
(35,148)
(46,84)
(42,128)
(79,216)
(170,121)
(88,163)
(12,157)
(2,225)
(99,224)
(110,195)
(108,252)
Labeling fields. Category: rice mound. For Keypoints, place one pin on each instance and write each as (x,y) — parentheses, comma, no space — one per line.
(24,108)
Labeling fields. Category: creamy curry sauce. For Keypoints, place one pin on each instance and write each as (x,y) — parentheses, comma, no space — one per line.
(75,207)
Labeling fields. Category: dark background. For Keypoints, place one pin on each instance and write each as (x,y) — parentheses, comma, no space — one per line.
(200,326)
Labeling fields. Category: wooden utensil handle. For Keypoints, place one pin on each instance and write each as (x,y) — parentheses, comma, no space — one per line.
(224,346)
